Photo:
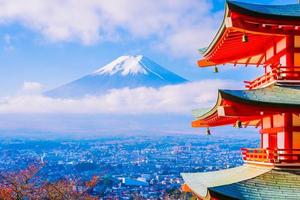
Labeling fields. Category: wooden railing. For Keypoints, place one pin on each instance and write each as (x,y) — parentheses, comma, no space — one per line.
(276,156)
(277,74)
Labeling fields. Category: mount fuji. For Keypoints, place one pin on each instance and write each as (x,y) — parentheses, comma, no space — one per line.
(125,71)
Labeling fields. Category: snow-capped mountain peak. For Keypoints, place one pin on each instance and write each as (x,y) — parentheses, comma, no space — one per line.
(124,72)
(124,65)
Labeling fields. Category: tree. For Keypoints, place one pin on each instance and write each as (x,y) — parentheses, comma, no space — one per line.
(176,194)
(18,185)
(26,185)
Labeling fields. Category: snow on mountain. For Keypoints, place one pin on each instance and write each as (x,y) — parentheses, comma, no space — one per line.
(124,65)
(125,71)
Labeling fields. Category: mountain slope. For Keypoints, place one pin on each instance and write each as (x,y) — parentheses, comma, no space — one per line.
(125,71)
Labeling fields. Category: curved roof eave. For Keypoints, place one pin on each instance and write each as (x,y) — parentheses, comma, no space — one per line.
(199,183)
(212,110)
(271,96)
(288,12)
(218,35)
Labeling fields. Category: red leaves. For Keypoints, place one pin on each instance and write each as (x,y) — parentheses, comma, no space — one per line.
(93,182)
(26,185)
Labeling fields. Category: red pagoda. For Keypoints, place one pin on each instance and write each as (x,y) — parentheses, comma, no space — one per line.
(268,37)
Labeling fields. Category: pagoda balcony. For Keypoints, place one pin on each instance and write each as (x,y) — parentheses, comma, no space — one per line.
(279,74)
(275,157)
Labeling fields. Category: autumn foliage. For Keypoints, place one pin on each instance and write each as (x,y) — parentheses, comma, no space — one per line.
(26,184)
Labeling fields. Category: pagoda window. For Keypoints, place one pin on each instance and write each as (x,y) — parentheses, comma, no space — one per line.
(282,60)
(297,42)
(296,140)
(270,53)
(296,120)
(297,60)
(267,122)
(278,120)
(281,45)
(280,140)
(265,141)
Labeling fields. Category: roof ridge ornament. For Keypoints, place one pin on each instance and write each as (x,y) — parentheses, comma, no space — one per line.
(208,131)
(216,70)
(245,38)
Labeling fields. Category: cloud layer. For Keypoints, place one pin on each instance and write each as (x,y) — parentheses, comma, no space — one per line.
(177,99)
(175,25)
(32,87)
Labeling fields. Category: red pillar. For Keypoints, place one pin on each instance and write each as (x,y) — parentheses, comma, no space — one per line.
(288,130)
(290,54)
(288,117)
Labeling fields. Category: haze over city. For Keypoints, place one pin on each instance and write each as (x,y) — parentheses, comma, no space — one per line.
(145,100)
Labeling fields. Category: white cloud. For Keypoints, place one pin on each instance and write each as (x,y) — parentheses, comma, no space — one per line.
(179,26)
(185,41)
(31,87)
(178,99)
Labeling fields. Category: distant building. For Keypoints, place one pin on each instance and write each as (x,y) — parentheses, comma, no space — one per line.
(134,182)
(266,36)
(146,177)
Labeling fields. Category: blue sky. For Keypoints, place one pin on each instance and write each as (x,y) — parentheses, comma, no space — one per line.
(32,50)
(44,44)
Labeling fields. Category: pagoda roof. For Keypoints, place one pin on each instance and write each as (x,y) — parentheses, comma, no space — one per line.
(249,105)
(290,11)
(245,182)
(263,24)
(200,182)
(274,95)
